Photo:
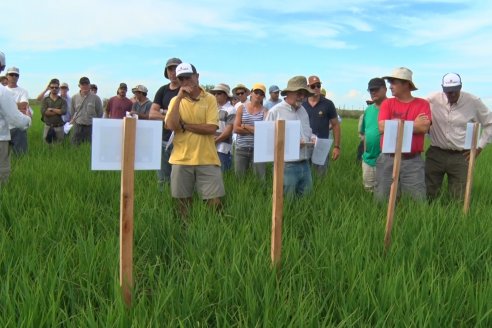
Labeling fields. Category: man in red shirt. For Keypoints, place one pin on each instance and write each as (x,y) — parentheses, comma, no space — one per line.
(409,108)
(119,104)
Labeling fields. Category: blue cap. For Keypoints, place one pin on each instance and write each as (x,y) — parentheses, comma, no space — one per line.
(273,88)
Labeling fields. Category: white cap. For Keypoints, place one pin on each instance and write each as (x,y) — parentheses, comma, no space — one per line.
(185,69)
(451,82)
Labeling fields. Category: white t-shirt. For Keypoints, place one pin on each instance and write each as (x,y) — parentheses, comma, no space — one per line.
(20,95)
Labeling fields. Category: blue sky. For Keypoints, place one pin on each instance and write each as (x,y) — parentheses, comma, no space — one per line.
(345,43)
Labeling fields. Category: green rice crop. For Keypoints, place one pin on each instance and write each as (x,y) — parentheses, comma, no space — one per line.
(59,259)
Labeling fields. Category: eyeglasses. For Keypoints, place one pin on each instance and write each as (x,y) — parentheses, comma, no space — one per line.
(54,88)
(259,93)
(184,78)
(13,74)
(315,86)
(240,93)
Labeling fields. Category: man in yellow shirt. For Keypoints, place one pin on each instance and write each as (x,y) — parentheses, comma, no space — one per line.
(194,118)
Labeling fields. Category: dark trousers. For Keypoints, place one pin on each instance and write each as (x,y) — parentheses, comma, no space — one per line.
(81,133)
(439,162)
(18,141)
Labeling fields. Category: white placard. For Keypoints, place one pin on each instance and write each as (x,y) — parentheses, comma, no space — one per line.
(107,138)
(321,151)
(390,134)
(265,141)
(469,135)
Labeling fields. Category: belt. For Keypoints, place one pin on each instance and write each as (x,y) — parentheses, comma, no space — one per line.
(55,125)
(297,162)
(450,151)
(407,155)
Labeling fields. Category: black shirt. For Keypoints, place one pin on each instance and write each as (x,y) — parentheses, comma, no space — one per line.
(320,116)
(163,97)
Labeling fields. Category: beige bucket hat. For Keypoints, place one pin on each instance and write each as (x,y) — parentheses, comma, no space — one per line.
(402,73)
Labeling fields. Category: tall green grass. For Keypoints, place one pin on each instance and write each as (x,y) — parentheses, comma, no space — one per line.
(59,226)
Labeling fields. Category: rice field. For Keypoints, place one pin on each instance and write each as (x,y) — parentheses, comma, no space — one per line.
(59,259)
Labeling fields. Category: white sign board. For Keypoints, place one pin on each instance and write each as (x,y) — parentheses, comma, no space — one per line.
(390,134)
(107,138)
(321,150)
(265,141)
(469,135)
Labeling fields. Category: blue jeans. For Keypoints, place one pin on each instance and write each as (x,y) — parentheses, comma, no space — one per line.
(164,174)
(225,161)
(243,159)
(297,178)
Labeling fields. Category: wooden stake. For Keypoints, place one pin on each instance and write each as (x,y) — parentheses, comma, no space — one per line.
(394,185)
(471,168)
(126,208)
(278,193)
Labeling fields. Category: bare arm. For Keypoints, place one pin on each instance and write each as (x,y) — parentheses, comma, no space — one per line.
(155,114)
(41,95)
(337,136)
(239,127)
(225,134)
(421,124)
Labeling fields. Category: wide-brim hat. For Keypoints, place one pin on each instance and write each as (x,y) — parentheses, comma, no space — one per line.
(402,73)
(221,87)
(297,83)
(140,88)
(240,86)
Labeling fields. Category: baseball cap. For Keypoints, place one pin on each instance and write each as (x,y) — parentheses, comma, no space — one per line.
(273,88)
(451,82)
(171,62)
(64,85)
(13,69)
(123,86)
(84,80)
(259,86)
(185,69)
(140,88)
(375,83)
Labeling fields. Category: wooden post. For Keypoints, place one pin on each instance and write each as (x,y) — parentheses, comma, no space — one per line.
(278,193)
(471,168)
(126,208)
(394,186)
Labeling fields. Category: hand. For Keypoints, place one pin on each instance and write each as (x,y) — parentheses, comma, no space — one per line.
(335,154)
(422,118)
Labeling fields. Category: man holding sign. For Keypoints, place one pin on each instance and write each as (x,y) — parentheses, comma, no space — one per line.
(406,107)
(451,110)
(297,174)
(194,118)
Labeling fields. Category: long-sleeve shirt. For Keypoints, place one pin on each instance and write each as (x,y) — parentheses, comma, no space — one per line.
(448,129)
(9,114)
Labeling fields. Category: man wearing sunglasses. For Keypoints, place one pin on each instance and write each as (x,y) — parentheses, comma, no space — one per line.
(52,109)
(322,115)
(9,116)
(18,141)
(194,118)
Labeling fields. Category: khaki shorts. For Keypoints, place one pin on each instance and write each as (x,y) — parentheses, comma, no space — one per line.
(207,179)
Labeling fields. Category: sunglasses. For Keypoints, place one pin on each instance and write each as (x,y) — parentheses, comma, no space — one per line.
(13,74)
(315,86)
(184,78)
(259,93)
(240,93)
(54,88)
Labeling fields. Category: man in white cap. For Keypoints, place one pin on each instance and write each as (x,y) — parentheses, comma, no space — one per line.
(18,137)
(451,110)
(9,115)
(194,118)
(297,174)
(227,114)
(409,108)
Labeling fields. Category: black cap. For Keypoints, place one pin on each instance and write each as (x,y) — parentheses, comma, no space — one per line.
(376,83)
(123,86)
(84,80)
(171,62)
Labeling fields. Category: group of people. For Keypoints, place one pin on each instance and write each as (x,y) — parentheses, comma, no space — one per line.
(443,116)
(200,127)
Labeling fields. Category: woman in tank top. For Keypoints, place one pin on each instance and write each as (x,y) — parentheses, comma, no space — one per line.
(244,126)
